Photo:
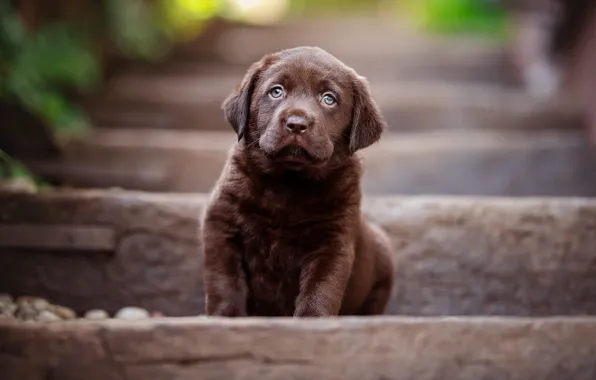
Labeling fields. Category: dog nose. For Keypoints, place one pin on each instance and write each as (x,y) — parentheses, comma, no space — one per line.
(296,124)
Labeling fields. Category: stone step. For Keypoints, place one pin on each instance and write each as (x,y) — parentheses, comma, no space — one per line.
(365,43)
(472,162)
(481,70)
(334,349)
(455,256)
(195,103)
(405,57)
(205,71)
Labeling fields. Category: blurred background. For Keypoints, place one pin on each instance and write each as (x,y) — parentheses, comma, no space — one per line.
(483,97)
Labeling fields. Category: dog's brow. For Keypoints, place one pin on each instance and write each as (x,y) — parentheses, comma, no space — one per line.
(331,85)
(278,78)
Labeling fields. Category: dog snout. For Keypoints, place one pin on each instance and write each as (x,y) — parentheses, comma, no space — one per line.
(297,124)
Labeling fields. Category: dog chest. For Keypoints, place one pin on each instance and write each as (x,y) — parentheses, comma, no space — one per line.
(273,258)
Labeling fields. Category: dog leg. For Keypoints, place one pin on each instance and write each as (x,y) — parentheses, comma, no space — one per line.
(226,290)
(379,296)
(322,285)
(377,300)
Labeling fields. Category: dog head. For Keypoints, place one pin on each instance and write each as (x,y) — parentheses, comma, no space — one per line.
(302,108)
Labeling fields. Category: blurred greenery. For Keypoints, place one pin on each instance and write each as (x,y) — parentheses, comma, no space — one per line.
(39,66)
(184,19)
(325,7)
(485,17)
(11,168)
(36,66)
(131,26)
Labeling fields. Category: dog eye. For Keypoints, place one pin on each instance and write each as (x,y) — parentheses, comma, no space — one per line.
(276,92)
(329,99)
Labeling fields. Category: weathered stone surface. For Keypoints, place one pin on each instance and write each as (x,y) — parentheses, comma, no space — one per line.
(346,349)
(479,162)
(57,237)
(455,256)
(493,163)
(155,263)
(491,256)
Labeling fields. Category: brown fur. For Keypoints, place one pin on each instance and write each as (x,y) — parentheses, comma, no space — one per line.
(283,232)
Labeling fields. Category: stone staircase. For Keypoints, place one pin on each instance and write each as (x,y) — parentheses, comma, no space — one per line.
(483,191)
(461,162)
(450,105)
(488,288)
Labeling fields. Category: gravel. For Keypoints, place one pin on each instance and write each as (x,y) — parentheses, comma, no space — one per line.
(36,309)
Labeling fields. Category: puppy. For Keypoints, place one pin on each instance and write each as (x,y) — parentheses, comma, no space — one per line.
(283,232)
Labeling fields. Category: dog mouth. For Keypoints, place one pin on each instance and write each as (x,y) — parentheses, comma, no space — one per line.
(293,151)
(293,154)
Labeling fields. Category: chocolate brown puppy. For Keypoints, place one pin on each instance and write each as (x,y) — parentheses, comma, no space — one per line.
(283,232)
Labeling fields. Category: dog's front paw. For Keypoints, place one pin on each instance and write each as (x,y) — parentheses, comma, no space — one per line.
(224,308)
(309,309)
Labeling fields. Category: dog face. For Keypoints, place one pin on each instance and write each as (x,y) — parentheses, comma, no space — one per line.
(302,108)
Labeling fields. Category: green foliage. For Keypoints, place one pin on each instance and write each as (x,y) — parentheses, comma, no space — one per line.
(459,16)
(11,168)
(181,19)
(330,7)
(37,66)
(132,26)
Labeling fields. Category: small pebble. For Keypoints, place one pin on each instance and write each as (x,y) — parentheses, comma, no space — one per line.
(96,315)
(48,316)
(5,299)
(7,306)
(63,312)
(132,312)
(36,309)
(18,185)
(26,312)
(36,303)
(4,315)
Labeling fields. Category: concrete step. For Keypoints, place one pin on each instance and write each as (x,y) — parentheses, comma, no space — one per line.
(334,349)
(455,256)
(195,103)
(464,162)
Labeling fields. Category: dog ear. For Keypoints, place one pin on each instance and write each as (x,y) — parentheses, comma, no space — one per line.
(236,106)
(367,122)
